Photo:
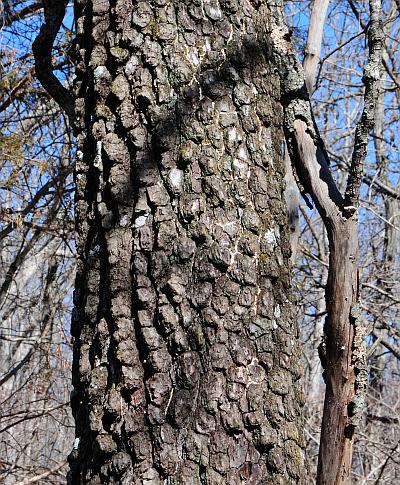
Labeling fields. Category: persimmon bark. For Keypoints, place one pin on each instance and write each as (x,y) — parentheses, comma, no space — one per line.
(186,358)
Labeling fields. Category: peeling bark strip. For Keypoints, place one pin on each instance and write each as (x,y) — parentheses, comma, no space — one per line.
(345,368)
(186,358)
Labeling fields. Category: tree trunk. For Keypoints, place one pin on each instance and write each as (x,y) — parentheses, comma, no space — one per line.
(186,358)
(344,350)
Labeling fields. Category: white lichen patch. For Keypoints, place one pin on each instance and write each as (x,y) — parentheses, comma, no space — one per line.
(131,65)
(214,12)
(101,72)
(240,167)
(97,159)
(195,206)
(141,221)
(192,56)
(255,373)
(175,178)
(124,221)
(233,255)
(270,238)
(277,311)
(242,153)
(279,37)
(230,228)
(206,47)
(232,134)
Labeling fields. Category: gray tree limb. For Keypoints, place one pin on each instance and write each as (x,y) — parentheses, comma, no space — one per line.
(54,11)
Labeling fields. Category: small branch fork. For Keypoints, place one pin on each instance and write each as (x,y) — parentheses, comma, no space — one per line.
(54,11)
(345,363)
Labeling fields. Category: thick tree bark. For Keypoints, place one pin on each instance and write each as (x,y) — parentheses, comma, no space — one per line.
(186,359)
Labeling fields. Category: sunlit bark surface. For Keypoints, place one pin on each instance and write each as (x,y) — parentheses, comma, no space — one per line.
(186,360)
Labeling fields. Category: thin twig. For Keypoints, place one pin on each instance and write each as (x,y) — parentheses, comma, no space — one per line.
(371,79)
(43,475)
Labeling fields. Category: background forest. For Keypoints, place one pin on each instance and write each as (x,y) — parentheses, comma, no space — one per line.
(37,240)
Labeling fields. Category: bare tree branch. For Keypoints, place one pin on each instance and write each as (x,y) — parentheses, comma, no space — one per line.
(344,357)
(387,343)
(21,14)
(43,475)
(54,11)
(42,192)
(47,319)
(314,39)
(311,59)
(28,416)
(371,79)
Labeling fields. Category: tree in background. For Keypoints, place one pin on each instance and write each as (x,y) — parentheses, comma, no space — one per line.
(36,260)
(337,103)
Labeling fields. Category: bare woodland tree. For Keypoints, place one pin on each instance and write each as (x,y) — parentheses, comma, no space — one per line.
(36,262)
(333,103)
(184,326)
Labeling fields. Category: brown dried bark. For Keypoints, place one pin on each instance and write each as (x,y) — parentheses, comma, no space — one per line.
(186,359)
(343,352)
